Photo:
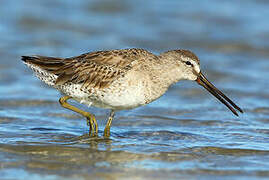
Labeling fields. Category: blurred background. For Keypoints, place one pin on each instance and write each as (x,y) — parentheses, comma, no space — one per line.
(186,134)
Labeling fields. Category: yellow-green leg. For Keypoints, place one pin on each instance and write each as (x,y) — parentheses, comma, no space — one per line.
(108,124)
(91,121)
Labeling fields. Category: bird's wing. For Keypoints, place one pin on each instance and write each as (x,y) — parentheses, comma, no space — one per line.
(93,70)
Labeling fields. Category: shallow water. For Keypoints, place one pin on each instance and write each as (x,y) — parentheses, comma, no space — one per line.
(186,134)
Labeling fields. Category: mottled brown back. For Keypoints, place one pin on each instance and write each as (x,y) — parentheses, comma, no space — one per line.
(95,69)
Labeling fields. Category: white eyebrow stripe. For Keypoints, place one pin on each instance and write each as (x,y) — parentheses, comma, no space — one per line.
(194,63)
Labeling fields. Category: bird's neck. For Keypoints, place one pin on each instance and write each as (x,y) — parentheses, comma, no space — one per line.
(167,75)
(163,74)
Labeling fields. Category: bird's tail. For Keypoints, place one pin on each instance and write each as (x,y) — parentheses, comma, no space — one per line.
(43,62)
(44,67)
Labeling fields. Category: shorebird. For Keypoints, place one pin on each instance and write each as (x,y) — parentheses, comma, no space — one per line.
(119,79)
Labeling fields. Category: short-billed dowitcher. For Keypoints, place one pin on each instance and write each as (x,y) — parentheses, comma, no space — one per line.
(119,79)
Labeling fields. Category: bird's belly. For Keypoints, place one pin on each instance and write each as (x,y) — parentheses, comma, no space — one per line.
(126,93)
(127,99)
(123,97)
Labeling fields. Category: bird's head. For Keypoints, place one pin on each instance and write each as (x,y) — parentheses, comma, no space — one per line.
(188,67)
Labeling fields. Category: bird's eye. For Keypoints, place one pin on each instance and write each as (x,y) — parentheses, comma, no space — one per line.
(188,63)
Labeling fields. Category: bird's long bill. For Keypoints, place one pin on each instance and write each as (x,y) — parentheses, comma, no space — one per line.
(201,80)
